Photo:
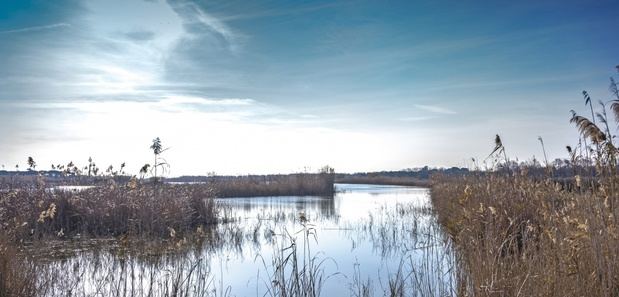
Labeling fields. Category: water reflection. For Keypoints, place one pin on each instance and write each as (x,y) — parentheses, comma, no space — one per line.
(367,240)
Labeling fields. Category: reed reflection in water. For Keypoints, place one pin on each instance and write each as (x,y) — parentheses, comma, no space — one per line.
(366,240)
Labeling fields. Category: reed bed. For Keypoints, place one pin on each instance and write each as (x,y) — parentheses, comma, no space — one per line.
(522,234)
(296,267)
(110,275)
(16,276)
(135,209)
(295,270)
(301,184)
(32,212)
(517,236)
(425,259)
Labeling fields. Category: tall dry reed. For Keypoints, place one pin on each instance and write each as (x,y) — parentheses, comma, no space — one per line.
(518,234)
(155,210)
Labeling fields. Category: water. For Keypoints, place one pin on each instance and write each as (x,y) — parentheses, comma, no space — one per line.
(366,237)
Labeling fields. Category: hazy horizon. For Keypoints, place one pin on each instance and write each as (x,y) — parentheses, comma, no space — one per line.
(276,87)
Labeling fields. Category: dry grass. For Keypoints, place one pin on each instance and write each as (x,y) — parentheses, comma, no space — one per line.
(16,277)
(34,213)
(161,211)
(517,236)
(99,274)
(301,184)
(295,270)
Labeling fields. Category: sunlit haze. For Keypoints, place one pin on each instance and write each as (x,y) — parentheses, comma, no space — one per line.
(237,87)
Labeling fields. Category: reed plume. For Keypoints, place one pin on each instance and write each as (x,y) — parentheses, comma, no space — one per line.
(588,128)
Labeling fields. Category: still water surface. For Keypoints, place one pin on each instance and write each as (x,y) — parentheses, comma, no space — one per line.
(366,236)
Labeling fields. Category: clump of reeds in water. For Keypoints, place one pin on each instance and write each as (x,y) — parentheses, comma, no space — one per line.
(16,276)
(301,184)
(521,235)
(294,269)
(408,237)
(133,209)
(106,274)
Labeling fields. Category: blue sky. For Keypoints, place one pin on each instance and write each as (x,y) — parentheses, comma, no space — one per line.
(280,86)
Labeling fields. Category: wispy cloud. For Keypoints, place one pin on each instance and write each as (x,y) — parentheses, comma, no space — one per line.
(209,101)
(36,28)
(416,119)
(215,24)
(167,103)
(140,35)
(281,12)
(435,109)
(193,14)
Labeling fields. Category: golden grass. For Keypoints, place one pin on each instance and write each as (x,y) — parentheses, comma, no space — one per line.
(300,184)
(516,236)
(153,210)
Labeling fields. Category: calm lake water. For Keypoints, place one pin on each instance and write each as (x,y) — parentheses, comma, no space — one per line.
(367,237)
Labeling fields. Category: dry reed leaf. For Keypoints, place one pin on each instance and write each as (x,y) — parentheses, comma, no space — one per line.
(551,236)
(172,232)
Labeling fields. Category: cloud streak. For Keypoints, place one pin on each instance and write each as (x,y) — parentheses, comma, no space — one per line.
(283,12)
(416,119)
(214,24)
(435,109)
(193,15)
(36,28)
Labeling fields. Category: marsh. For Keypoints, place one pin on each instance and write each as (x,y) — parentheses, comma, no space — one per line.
(364,238)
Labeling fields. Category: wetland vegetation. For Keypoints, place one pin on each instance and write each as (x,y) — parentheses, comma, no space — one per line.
(363,241)
(509,229)
(540,230)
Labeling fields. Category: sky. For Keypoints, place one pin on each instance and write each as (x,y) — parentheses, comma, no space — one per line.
(239,87)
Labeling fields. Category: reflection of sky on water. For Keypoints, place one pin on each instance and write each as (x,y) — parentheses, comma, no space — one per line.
(374,228)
